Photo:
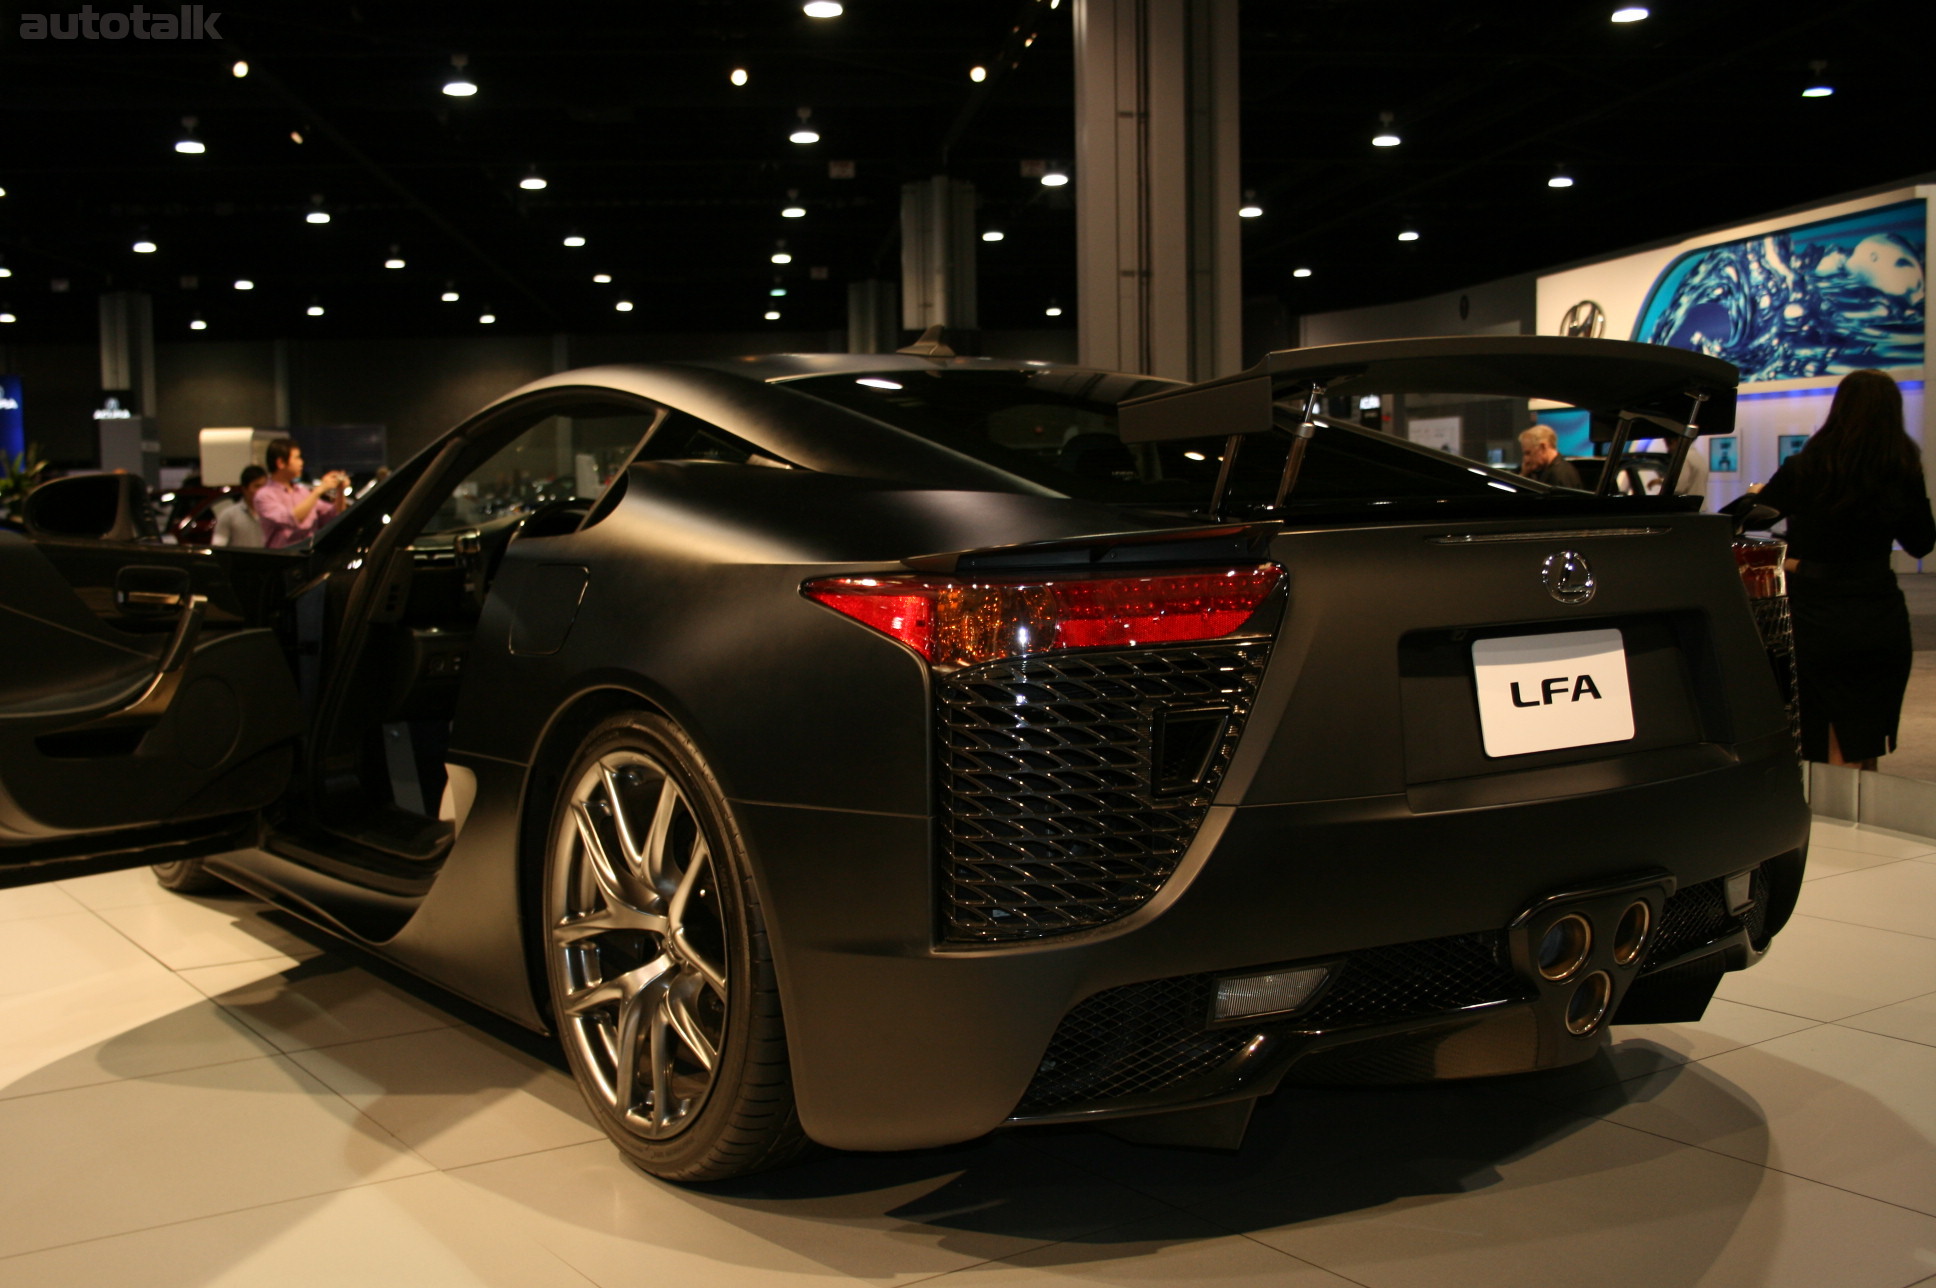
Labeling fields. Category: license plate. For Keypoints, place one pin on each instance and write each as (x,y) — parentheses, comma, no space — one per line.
(1543,692)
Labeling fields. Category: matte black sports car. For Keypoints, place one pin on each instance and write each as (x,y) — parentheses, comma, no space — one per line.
(881,750)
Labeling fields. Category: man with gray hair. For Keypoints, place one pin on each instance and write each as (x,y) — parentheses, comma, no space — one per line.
(1540,459)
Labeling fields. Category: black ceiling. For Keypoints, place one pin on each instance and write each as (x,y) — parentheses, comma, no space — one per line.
(1690,119)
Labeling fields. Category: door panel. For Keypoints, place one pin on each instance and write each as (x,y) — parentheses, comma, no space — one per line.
(106,731)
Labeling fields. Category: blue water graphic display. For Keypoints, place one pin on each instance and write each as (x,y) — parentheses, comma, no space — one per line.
(1820,299)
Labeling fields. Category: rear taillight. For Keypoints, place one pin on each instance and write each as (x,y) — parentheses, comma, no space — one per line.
(959,621)
(1759,560)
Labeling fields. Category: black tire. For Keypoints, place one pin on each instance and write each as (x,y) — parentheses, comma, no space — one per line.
(189,876)
(661,980)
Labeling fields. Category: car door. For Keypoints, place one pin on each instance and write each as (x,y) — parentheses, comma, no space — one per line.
(148,708)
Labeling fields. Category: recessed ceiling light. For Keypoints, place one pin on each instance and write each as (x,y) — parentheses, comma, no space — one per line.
(458,83)
(450,295)
(623,306)
(1250,210)
(601,278)
(1817,87)
(314,310)
(1408,235)
(1561,180)
(487,318)
(5,271)
(993,235)
(1300,272)
(804,131)
(240,69)
(395,260)
(316,215)
(244,284)
(8,318)
(1054,179)
(1053,311)
(780,257)
(822,9)
(188,144)
(1630,13)
(144,247)
(978,74)
(532,181)
(794,212)
(773,315)
(739,76)
(196,324)
(1386,137)
(777,292)
(296,137)
(573,239)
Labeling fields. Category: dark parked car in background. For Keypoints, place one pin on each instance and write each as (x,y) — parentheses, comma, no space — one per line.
(881,750)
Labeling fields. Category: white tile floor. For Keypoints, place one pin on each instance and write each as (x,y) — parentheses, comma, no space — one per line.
(192,1095)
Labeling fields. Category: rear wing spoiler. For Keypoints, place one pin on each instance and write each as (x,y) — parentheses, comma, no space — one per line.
(1682,394)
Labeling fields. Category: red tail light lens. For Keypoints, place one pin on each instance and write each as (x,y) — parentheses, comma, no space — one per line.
(956,622)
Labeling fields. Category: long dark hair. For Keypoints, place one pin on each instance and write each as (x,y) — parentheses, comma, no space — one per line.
(1861,456)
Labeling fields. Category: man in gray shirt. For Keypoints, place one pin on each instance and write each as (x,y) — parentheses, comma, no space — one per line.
(237,525)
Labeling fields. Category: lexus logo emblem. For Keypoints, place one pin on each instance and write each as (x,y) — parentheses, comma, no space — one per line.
(1567,577)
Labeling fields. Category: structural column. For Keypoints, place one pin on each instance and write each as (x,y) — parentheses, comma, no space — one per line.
(125,426)
(938,254)
(1157,187)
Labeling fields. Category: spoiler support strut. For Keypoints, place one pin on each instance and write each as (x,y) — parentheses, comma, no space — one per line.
(1307,427)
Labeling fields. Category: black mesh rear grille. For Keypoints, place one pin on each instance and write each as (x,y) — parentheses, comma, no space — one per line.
(1771,618)
(1418,979)
(1054,812)
(1698,915)
(1150,1037)
(1131,1041)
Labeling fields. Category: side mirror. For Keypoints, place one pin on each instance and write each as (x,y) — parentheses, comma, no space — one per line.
(101,507)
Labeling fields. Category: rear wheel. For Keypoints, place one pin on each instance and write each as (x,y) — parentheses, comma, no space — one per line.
(661,981)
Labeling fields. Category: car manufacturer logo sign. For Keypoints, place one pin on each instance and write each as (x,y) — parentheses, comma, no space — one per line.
(1585,320)
(1567,577)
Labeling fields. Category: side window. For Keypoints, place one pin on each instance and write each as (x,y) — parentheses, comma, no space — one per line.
(684,437)
(561,461)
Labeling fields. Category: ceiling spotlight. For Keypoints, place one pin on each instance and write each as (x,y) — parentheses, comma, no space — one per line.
(188,144)
(314,310)
(739,76)
(296,137)
(793,212)
(8,318)
(623,306)
(1630,13)
(487,318)
(1053,311)
(240,69)
(804,131)
(3,192)
(1560,179)
(821,9)
(143,246)
(1054,179)
(1386,137)
(532,181)
(993,234)
(573,238)
(1300,272)
(450,295)
(777,292)
(196,324)
(395,260)
(773,315)
(244,284)
(779,255)
(978,74)
(602,278)
(458,84)
(5,271)
(1817,87)
(316,215)
(1408,235)
(1250,209)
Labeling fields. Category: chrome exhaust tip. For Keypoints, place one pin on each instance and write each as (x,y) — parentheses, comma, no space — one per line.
(1588,1005)
(1564,948)
(1630,936)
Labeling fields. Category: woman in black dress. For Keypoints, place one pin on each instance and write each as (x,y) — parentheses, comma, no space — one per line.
(1851,494)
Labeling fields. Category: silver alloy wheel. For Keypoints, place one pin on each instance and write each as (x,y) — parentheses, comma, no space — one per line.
(639,942)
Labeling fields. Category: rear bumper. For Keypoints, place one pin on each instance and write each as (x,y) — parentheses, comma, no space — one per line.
(899,1044)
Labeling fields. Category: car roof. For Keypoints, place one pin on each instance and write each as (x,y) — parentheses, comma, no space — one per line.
(792,366)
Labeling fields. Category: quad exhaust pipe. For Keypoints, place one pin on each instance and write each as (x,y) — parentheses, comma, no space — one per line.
(1584,949)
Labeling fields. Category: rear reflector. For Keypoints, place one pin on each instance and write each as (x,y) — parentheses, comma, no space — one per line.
(954,622)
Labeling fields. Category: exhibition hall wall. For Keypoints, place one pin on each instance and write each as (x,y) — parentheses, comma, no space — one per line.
(1796,301)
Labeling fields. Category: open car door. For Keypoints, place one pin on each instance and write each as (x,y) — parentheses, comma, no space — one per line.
(146,714)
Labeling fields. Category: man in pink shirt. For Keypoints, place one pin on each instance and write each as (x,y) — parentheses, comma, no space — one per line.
(290,512)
